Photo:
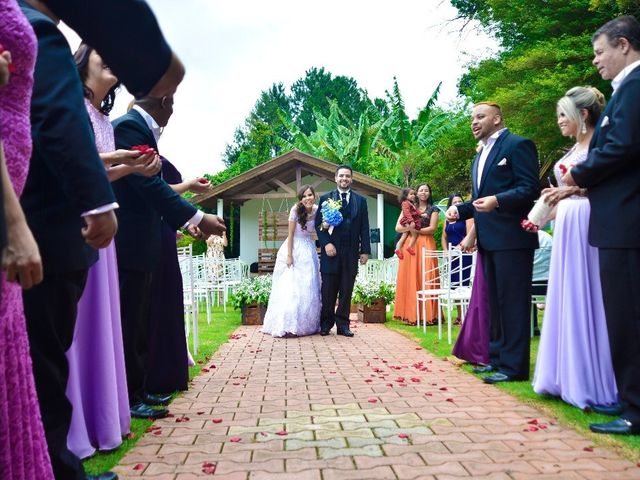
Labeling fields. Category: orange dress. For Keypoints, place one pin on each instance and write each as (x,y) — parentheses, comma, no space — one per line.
(408,282)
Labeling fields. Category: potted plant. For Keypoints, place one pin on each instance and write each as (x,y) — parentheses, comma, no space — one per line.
(373,297)
(251,296)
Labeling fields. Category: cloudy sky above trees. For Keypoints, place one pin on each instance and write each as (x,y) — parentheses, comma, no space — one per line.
(234,50)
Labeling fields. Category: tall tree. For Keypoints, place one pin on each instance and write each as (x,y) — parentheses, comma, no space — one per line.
(317,89)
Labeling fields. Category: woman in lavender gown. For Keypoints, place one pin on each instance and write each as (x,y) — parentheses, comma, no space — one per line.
(574,360)
(23,448)
(97,386)
(294,303)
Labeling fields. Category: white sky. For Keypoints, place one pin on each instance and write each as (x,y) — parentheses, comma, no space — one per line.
(234,50)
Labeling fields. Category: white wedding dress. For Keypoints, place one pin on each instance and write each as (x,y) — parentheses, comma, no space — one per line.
(294,303)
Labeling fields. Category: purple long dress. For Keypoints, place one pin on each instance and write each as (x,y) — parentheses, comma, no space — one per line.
(472,344)
(574,360)
(168,370)
(97,386)
(23,448)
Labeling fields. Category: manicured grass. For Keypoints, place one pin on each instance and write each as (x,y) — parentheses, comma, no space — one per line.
(210,338)
(628,446)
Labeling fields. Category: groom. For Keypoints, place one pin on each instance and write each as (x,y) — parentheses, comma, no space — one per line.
(340,251)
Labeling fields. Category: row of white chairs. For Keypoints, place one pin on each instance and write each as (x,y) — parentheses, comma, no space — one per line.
(200,285)
(447,279)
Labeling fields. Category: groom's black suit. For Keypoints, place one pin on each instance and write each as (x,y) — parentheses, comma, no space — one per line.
(511,174)
(611,174)
(351,239)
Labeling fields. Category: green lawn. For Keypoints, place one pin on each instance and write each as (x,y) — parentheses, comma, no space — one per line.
(628,446)
(211,337)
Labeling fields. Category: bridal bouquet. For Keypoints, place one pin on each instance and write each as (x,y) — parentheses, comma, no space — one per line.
(331,216)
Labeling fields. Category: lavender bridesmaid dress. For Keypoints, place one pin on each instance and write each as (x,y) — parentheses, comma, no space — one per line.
(97,386)
(574,360)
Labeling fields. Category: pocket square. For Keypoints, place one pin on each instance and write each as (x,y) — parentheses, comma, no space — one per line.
(605,122)
(502,162)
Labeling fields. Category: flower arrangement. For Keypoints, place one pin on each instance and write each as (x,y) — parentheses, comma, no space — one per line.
(251,290)
(331,216)
(367,291)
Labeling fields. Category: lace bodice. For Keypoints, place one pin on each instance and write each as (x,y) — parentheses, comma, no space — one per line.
(101,128)
(311,219)
(570,159)
(15,98)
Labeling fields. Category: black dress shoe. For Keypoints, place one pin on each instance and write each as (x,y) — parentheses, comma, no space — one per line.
(485,369)
(324,333)
(142,410)
(153,399)
(620,426)
(501,377)
(345,333)
(103,476)
(614,410)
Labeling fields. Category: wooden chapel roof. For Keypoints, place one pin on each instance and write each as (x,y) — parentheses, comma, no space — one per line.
(278,173)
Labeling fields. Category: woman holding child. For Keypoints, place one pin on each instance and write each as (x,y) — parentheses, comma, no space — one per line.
(409,277)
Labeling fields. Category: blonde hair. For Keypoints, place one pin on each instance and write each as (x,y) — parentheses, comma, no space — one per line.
(582,98)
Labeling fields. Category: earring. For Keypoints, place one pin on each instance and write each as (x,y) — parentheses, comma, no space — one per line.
(583,130)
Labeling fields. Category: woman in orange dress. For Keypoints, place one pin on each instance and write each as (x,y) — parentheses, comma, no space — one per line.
(409,277)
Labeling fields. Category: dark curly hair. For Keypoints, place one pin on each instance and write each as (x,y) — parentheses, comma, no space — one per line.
(301,210)
(82,64)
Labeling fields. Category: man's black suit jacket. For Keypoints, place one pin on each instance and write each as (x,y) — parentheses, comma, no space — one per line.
(138,53)
(143,202)
(611,172)
(359,233)
(66,176)
(511,174)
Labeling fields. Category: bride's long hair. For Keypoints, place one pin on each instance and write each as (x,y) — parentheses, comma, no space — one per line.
(301,210)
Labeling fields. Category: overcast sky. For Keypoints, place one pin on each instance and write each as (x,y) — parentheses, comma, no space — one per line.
(234,50)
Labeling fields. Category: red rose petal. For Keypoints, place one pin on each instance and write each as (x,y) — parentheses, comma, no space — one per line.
(217,420)
(418,348)
(131,435)
(403,435)
(444,389)
(390,385)
(415,380)
(138,466)
(204,370)
(451,400)
(200,413)
(368,380)
(429,394)
(588,449)
(533,422)
(282,433)
(235,439)
(372,400)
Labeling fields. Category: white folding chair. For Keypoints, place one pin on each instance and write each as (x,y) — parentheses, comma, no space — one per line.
(432,264)
(185,261)
(457,271)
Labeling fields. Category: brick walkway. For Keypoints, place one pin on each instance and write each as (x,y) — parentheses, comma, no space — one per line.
(375,406)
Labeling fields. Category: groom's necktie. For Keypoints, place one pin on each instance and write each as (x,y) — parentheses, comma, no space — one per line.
(344,199)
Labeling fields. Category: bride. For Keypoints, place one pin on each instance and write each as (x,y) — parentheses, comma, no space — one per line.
(294,303)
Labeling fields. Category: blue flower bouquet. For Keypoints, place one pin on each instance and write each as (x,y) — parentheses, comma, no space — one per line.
(331,216)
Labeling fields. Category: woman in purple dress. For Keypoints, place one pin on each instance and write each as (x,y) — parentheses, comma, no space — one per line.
(23,448)
(574,360)
(472,344)
(97,386)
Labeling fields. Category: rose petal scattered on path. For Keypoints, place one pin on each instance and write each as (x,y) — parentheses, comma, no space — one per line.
(588,449)
(372,400)
(235,439)
(403,435)
(138,466)
(217,420)
(282,433)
